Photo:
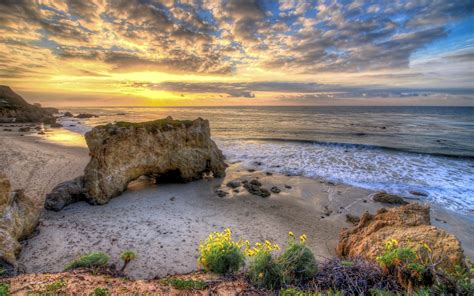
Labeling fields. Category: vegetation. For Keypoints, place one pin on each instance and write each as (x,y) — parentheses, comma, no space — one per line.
(185,284)
(3,271)
(221,254)
(155,125)
(100,292)
(55,287)
(91,260)
(127,256)
(298,262)
(265,272)
(4,289)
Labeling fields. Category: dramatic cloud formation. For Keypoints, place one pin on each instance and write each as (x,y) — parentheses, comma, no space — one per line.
(175,51)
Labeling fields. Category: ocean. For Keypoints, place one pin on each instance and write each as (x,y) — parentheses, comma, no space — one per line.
(400,150)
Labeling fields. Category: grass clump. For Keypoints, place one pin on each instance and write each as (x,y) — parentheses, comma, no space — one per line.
(298,262)
(91,260)
(55,287)
(127,256)
(4,289)
(100,292)
(220,254)
(185,284)
(265,272)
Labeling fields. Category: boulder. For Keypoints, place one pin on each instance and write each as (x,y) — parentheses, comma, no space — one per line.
(409,225)
(387,198)
(165,149)
(68,114)
(233,184)
(65,193)
(14,108)
(18,219)
(85,115)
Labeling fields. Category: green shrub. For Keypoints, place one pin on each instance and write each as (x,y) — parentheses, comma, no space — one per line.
(405,263)
(297,292)
(4,289)
(100,292)
(96,259)
(458,282)
(182,284)
(127,256)
(220,254)
(265,272)
(298,262)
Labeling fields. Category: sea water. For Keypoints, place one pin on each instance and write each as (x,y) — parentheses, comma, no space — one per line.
(429,150)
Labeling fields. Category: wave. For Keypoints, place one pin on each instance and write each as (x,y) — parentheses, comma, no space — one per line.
(360,146)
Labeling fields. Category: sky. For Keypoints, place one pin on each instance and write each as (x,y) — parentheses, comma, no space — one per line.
(245,52)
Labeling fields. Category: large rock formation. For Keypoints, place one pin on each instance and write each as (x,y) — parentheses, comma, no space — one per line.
(167,149)
(409,225)
(14,108)
(18,219)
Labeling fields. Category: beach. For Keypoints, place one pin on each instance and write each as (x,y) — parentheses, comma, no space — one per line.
(164,223)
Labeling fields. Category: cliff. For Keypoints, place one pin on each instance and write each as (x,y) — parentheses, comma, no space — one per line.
(14,108)
(18,219)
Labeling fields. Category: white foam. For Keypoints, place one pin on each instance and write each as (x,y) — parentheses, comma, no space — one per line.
(447,181)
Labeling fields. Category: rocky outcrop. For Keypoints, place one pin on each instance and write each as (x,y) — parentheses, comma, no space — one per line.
(18,219)
(409,225)
(165,149)
(15,108)
(66,193)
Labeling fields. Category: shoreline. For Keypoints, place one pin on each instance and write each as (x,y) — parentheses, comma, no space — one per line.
(148,219)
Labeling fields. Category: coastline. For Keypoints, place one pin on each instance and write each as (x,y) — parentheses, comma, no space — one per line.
(148,219)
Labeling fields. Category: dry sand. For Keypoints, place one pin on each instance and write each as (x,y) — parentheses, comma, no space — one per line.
(164,223)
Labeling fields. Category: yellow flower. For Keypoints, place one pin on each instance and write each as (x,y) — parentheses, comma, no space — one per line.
(291,234)
(260,275)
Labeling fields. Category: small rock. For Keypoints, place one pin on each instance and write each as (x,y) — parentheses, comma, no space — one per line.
(245,181)
(386,198)
(352,219)
(85,115)
(56,125)
(256,182)
(236,190)
(233,184)
(24,129)
(288,186)
(250,170)
(221,193)
(275,189)
(41,133)
(172,198)
(257,163)
(68,114)
(418,193)
(268,174)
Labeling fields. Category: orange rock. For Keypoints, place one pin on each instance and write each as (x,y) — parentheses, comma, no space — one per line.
(409,225)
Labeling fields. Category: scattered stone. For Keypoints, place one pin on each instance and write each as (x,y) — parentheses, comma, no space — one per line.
(72,125)
(418,193)
(288,186)
(41,133)
(236,190)
(7,129)
(38,128)
(172,198)
(387,198)
(24,129)
(233,184)
(85,115)
(439,220)
(360,134)
(269,174)
(353,219)
(275,189)
(327,212)
(250,170)
(221,193)
(56,125)
(255,182)
(245,181)
(410,226)
(68,114)
(364,201)
(65,193)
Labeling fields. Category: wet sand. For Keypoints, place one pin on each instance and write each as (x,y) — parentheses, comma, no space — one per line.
(164,223)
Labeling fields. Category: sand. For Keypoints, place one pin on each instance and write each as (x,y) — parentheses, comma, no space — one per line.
(163,223)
